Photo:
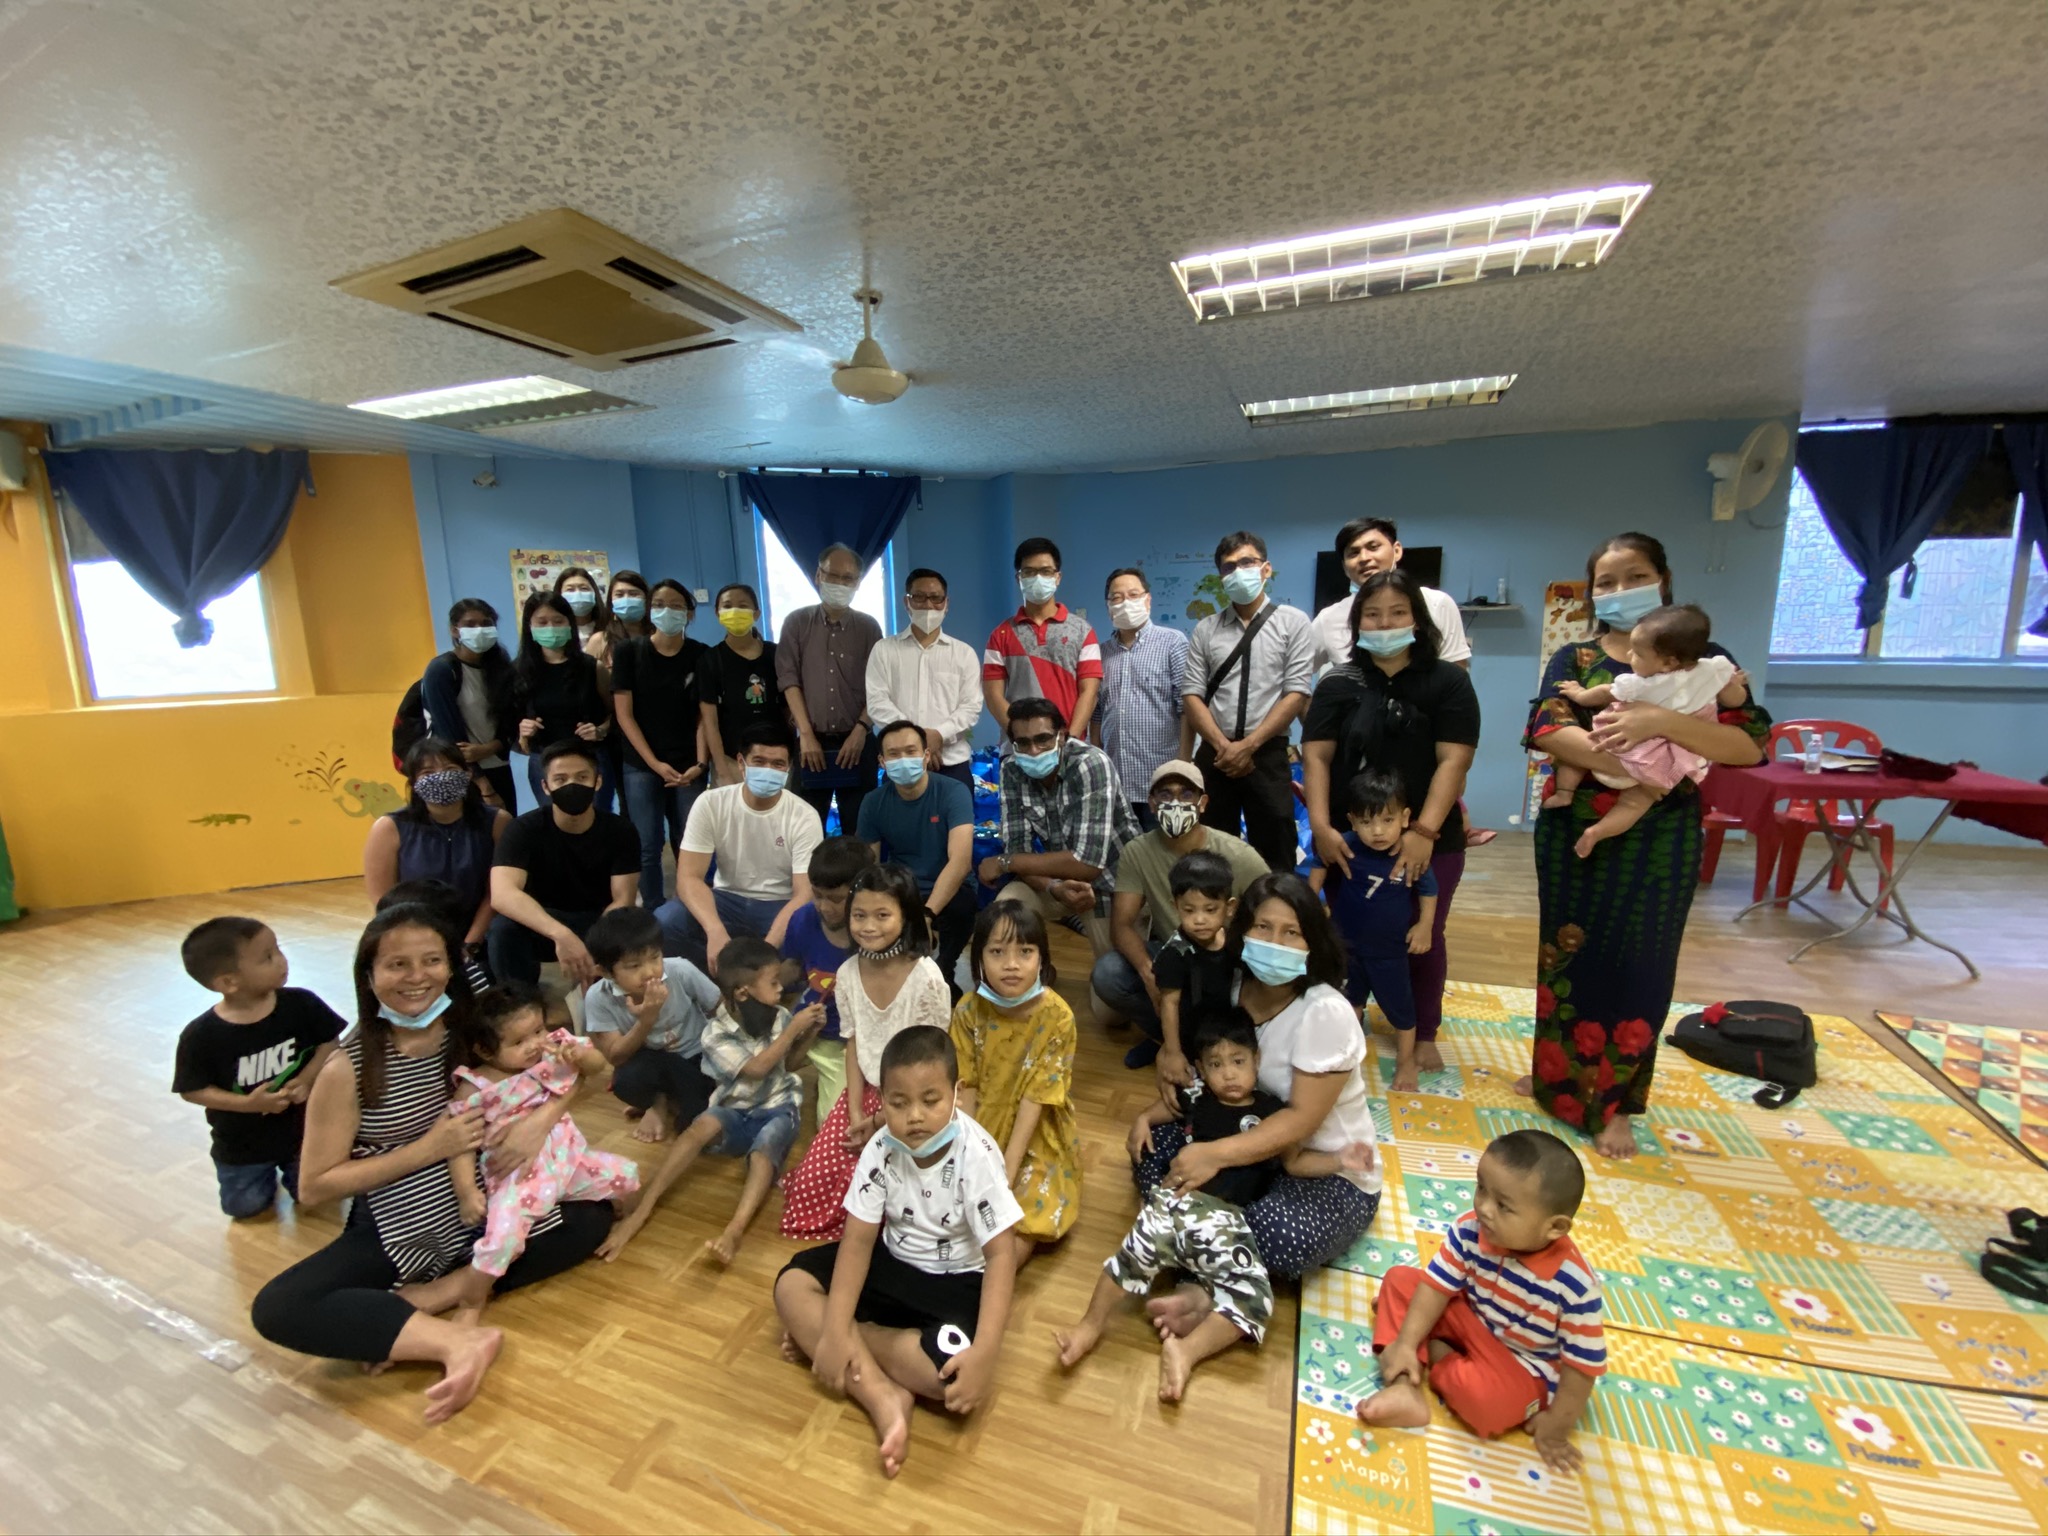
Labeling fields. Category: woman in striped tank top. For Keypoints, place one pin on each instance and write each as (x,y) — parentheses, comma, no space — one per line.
(378,1128)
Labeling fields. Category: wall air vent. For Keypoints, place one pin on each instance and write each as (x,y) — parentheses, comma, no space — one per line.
(569,286)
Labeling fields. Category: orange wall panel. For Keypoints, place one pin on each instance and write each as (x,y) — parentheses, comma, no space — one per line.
(355,547)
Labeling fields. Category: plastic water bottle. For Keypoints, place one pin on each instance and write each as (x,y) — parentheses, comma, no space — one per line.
(1813,752)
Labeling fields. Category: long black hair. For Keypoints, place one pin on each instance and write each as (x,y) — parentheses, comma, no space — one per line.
(1023,924)
(894,880)
(530,661)
(372,1028)
(601,615)
(1325,950)
(1427,641)
(417,756)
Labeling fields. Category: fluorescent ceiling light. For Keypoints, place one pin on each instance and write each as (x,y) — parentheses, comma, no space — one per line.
(497,403)
(1377,402)
(1562,232)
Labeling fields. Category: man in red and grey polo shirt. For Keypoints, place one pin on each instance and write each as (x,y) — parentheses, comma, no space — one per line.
(1042,651)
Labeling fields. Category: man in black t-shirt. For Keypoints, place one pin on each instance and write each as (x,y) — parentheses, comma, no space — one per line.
(556,870)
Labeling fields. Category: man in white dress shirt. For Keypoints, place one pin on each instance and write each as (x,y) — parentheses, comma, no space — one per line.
(1367,545)
(926,675)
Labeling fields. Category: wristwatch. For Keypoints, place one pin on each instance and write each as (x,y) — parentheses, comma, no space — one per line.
(1003,863)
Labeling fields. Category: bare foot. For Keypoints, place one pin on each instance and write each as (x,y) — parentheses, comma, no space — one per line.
(1401,1406)
(1561,801)
(1617,1139)
(1176,1363)
(653,1126)
(1525,1085)
(724,1246)
(1406,1080)
(1427,1057)
(888,1404)
(1077,1342)
(1590,839)
(791,1353)
(1177,1315)
(462,1374)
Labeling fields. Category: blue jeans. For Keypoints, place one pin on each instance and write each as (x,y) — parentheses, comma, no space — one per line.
(540,797)
(682,934)
(250,1189)
(649,804)
(754,1132)
(1117,983)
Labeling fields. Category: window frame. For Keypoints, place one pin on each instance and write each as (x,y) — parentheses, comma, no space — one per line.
(771,622)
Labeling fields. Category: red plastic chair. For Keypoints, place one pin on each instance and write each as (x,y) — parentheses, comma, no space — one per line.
(1718,825)
(1800,817)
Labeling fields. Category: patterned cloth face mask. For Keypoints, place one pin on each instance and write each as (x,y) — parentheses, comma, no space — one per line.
(444,786)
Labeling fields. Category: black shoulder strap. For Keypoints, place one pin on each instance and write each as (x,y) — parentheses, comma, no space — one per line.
(1240,652)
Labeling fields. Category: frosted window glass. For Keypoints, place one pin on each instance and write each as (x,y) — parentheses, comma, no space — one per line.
(133,654)
(789,588)
(1817,587)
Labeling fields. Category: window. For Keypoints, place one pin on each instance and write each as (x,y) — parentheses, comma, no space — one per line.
(790,588)
(1972,599)
(130,650)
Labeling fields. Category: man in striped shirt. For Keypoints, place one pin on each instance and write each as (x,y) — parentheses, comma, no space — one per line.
(1043,650)
(1505,1322)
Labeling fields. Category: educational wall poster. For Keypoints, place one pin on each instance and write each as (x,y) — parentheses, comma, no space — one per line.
(535,570)
(1566,617)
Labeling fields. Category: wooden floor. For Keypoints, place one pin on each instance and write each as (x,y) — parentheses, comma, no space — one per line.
(649,1395)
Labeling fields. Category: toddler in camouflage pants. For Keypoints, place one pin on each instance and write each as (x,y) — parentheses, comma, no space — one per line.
(1210,1242)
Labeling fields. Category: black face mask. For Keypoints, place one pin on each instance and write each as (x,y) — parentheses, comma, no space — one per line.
(573,799)
(757,1017)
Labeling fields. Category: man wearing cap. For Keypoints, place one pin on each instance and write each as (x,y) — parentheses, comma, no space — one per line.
(1141,916)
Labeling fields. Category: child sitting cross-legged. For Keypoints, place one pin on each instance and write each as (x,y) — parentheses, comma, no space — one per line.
(751,1047)
(1201,1233)
(921,1312)
(513,1064)
(1505,1321)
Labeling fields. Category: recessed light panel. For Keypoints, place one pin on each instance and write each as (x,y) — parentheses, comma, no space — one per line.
(497,403)
(1565,231)
(1377,402)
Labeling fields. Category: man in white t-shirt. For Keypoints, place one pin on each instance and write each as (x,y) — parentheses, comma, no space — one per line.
(1367,545)
(761,836)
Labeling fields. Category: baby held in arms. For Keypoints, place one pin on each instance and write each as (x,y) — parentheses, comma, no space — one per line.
(1671,670)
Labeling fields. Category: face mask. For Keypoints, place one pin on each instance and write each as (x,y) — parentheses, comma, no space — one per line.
(936,1143)
(927,619)
(444,786)
(904,770)
(573,799)
(1621,610)
(580,603)
(434,1010)
(766,783)
(737,621)
(1010,1002)
(631,609)
(1038,589)
(756,1017)
(1177,818)
(1131,615)
(1386,642)
(835,595)
(1039,765)
(1244,586)
(478,637)
(551,637)
(1274,964)
(670,621)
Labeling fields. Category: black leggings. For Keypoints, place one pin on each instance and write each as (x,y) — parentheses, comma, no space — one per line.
(338,1303)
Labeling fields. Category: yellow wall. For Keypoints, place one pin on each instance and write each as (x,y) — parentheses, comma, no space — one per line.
(105,803)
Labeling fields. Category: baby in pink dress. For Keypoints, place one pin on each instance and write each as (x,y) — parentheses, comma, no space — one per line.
(1669,652)
(515,1066)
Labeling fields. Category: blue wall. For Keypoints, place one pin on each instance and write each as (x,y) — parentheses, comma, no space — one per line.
(691,529)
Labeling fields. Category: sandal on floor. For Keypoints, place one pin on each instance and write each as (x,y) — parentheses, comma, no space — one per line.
(2014,1276)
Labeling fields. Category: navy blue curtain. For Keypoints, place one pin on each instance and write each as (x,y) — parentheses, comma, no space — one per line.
(189,526)
(2026,448)
(811,511)
(1881,492)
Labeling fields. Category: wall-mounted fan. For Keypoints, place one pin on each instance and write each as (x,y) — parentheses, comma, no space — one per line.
(1743,478)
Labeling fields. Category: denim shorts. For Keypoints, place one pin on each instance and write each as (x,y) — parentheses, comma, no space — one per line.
(755,1132)
(250,1189)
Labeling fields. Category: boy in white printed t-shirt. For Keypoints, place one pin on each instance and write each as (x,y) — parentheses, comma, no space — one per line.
(922,1313)
(762,837)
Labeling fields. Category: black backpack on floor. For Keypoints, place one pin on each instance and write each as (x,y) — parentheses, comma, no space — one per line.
(1761,1039)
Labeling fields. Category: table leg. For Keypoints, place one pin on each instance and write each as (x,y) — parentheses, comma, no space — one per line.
(1888,893)
(1798,897)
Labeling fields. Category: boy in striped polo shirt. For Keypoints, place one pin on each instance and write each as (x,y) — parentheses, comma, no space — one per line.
(1508,1310)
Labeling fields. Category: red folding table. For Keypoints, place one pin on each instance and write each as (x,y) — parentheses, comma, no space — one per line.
(1751,795)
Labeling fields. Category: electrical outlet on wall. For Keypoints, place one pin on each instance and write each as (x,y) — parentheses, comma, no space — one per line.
(703,594)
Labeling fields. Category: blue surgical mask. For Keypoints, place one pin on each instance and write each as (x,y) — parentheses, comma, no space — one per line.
(478,637)
(580,603)
(670,621)
(631,609)
(1274,964)
(937,1142)
(1386,642)
(434,1010)
(1244,586)
(766,783)
(904,770)
(1038,765)
(1038,589)
(1622,610)
(1010,1002)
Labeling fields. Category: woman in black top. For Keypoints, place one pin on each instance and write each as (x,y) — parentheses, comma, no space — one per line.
(556,689)
(654,695)
(579,589)
(736,681)
(467,693)
(1394,706)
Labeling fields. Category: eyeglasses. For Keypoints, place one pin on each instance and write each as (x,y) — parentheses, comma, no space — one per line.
(925,602)
(1044,742)
(1177,797)
(1245,563)
(1038,570)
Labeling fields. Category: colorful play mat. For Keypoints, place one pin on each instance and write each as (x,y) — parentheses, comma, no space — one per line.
(1799,1338)
(2004,1070)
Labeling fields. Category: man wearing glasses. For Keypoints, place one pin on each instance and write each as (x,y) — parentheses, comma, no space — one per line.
(1247,680)
(1043,650)
(925,675)
(1065,822)
(821,666)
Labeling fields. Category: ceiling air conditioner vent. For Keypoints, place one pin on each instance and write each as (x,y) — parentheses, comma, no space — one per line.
(569,286)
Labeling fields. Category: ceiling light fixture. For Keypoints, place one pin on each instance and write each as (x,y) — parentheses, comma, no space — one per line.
(1565,231)
(1377,402)
(498,403)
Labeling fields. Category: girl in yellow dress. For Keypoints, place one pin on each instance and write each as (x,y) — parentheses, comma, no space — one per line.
(1015,1039)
